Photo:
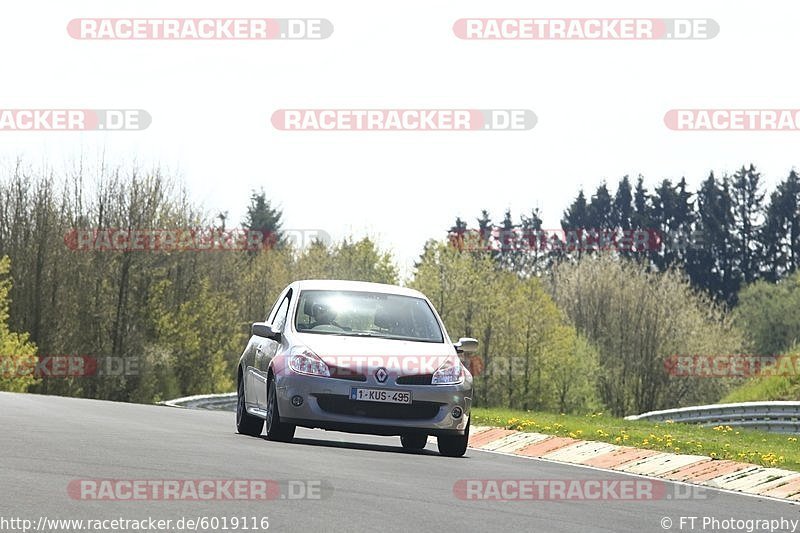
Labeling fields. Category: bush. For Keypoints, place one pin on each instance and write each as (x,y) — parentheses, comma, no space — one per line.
(17,355)
(637,318)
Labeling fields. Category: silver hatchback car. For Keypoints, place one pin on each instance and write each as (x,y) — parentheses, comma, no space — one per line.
(356,357)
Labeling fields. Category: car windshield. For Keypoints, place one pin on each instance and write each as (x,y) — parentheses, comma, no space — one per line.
(372,314)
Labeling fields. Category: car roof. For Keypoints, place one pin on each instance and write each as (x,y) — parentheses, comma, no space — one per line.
(347,285)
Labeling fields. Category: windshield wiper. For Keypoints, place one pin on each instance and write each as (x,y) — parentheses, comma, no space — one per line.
(364,334)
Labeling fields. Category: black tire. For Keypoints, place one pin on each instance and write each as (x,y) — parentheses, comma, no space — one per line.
(246,424)
(454,446)
(414,441)
(276,430)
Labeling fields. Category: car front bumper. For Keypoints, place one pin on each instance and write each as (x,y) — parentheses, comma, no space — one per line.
(327,405)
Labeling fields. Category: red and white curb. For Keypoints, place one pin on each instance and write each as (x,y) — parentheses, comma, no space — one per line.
(692,469)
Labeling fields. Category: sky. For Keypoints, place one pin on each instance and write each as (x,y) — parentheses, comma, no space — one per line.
(600,106)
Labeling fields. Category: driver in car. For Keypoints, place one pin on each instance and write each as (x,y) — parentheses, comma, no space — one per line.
(323,316)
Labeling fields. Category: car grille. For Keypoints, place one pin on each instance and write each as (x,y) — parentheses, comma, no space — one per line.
(344,373)
(420,379)
(342,405)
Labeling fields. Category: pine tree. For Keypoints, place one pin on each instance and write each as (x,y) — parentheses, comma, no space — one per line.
(663,205)
(780,233)
(261,216)
(642,215)
(574,223)
(747,201)
(511,250)
(485,230)
(600,209)
(457,234)
(685,217)
(673,216)
(535,244)
(711,264)
(622,213)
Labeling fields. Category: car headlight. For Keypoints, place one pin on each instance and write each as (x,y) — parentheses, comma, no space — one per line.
(307,362)
(450,373)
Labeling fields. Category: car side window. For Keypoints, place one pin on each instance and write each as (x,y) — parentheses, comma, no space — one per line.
(273,310)
(283,310)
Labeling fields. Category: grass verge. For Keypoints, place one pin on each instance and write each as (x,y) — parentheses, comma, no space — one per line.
(721,442)
(766,389)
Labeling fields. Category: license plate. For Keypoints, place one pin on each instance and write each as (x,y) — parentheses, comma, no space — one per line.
(380,395)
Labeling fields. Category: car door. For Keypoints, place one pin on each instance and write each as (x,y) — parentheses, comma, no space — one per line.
(254,382)
(266,350)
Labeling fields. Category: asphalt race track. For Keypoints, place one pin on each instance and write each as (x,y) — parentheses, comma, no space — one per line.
(368,483)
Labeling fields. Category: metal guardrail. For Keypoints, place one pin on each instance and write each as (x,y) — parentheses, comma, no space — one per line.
(778,417)
(216,402)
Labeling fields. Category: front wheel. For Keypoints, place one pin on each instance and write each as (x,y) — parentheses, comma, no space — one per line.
(245,423)
(276,430)
(414,441)
(455,445)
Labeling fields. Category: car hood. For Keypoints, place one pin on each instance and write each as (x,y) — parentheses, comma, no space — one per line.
(344,345)
(367,353)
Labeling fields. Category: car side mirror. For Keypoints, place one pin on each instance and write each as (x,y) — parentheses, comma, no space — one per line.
(466,345)
(262,329)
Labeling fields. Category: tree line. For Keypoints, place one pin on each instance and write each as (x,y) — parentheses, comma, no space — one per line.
(182,316)
(725,235)
(558,332)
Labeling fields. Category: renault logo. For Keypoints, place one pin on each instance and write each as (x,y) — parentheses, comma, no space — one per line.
(381,374)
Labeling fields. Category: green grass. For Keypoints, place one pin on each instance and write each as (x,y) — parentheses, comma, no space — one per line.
(721,442)
(766,389)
